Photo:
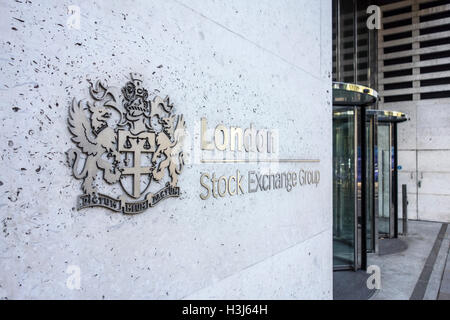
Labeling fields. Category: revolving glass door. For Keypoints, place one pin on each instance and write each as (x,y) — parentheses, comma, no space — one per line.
(353,175)
(344,187)
(385,169)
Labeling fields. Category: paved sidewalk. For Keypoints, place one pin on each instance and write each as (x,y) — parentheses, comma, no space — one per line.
(350,285)
(418,271)
(444,290)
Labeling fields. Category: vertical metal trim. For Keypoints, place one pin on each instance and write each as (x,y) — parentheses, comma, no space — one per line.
(355,41)
(375,64)
(376,183)
(391,179)
(369,59)
(417,176)
(372,184)
(405,209)
(356,245)
(363,191)
(395,182)
(338,40)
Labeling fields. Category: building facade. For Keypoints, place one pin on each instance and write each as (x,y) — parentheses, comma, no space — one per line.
(221,227)
(406,61)
(414,78)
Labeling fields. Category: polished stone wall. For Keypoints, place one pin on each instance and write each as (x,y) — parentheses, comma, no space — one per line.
(236,63)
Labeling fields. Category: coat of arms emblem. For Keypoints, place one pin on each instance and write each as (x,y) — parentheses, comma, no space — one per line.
(141,146)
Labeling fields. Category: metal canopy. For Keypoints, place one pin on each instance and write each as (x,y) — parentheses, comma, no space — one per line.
(349,94)
(388,116)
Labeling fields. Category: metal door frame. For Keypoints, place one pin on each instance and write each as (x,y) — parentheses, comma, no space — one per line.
(357,262)
(376,158)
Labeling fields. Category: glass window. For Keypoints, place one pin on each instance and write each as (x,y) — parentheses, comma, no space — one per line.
(354,45)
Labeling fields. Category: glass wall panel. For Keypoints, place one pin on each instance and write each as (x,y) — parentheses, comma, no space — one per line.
(354,45)
(365,42)
(347,39)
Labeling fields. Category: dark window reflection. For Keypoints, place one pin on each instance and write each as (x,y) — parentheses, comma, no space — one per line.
(354,45)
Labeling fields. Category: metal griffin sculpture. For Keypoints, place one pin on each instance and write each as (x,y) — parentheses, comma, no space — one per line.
(144,145)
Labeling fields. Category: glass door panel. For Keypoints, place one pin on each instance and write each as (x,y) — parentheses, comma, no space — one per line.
(384,178)
(344,197)
(370,184)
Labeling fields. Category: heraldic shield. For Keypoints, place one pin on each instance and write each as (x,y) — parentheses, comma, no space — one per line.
(135,148)
(139,147)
